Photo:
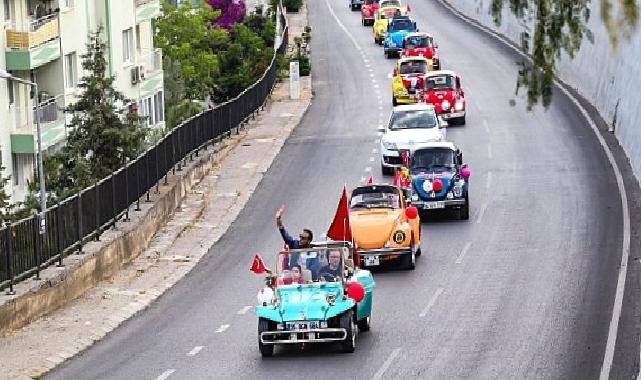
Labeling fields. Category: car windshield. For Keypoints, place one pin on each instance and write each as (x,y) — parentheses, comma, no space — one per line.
(401,24)
(424,119)
(433,157)
(417,42)
(370,2)
(375,197)
(299,267)
(389,13)
(390,3)
(413,67)
(440,81)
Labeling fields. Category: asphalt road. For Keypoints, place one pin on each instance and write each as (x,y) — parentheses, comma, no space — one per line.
(524,289)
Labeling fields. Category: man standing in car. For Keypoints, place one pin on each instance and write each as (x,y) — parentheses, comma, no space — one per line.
(304,241)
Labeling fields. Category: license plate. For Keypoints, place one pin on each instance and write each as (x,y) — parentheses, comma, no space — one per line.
(302,325)
(433,205)
(371,261)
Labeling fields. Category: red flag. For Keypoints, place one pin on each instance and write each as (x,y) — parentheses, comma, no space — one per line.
(408,8)
(340,228)
(258,266)
(370,180)
(397,178)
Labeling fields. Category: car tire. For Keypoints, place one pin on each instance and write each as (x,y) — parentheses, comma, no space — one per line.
(394,102)
(386,171)
(347,323)
(364,324)
(363,22)
(266,350)
(464,211)
(461,120)
(410,260)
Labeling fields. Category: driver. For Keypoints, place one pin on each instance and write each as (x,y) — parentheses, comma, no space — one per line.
(332,271)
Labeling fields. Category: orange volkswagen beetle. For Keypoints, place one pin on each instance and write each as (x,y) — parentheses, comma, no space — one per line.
(384,227)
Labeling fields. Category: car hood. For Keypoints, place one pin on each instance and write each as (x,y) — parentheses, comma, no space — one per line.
(408,138)
(398,36)
(422,181)
(309,302)
(371,229)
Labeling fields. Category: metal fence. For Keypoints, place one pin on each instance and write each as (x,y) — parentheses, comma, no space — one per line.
(84,216)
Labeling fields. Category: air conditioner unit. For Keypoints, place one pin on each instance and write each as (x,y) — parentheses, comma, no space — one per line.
(142,72)
(135,74)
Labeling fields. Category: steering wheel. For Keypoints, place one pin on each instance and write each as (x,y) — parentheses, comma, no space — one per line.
(327,276)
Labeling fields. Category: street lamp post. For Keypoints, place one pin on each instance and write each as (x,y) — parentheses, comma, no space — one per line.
(43,197)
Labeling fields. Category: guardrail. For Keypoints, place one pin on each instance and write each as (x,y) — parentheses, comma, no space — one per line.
(33,34)
(84,216)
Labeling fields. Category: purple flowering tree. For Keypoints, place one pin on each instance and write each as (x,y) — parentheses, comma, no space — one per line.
(231,12)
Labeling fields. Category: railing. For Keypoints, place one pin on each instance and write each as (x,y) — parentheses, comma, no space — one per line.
(36,33)
(84,216)
(51,110)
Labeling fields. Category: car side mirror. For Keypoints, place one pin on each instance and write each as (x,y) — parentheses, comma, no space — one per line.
(381,129)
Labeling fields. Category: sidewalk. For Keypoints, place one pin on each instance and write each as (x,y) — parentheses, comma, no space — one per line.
(202,218)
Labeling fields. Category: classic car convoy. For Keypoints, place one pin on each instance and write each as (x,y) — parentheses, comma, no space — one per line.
(321,292)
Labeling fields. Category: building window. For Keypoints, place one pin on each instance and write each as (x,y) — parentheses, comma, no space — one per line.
(71,70)
(12,98)
(138,37)
(17,171)
(127,45)
(67,4)
(159,107)
(7,10)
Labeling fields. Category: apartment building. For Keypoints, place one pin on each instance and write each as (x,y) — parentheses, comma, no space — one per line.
(43,41)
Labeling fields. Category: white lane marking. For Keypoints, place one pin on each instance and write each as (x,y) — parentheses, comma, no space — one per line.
(375,86)
(389,76)
(489,150)
(431,302)
(608,357)
(388,362)
(489,180)
(244,310)
(478,104)
(194,351)
(363,179)
(486,126)
(371,159)
(166,374)
(374,81)
(375,150)
(222,328)
(380,107)
(342,26)
(368,169)
(371,75)
(481,213)
(467,246)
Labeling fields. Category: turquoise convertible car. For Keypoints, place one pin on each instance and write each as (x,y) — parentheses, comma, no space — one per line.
(316,295)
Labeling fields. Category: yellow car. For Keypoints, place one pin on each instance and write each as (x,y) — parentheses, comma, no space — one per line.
(409,77)
(381,18)
(385,228)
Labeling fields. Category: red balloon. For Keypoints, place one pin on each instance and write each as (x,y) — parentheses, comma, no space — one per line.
(355,291)
(411,212)
(437,185)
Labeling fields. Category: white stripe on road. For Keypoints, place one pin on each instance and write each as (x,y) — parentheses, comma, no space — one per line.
(388,362)
(371,159)
(459,259)
(481,213)
(432,302)
(194,351)
(244,310)
(165,374)
(489,180)
(375,150)
(368,169)
(222,328)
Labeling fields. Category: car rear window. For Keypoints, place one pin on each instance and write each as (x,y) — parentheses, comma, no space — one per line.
(413,119)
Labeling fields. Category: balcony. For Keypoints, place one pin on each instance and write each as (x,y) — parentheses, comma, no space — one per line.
(52,125)
(33,45)
(151,69)
(147,10)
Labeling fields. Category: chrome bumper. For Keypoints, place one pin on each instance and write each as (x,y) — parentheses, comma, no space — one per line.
(447,202)
(303,336)
(452,115)
(385,251)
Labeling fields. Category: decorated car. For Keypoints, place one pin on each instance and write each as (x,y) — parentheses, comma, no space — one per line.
(368,11)
(408,126)
(315,295)
(397,29)
(421,44)
(381,18)
(385,230)
(408,79)
(443,90)
(440,180)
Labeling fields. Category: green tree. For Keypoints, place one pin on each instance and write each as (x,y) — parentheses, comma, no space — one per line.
(105,132)
(178,107)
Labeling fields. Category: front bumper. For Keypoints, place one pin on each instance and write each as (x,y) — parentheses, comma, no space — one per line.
(439,204)
(376,257)
(389,49)
(303,336)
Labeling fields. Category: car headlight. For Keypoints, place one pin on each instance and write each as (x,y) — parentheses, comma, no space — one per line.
(458,106)
(445,105)
(389,145)
(458,188)
(399,236)
(450,195)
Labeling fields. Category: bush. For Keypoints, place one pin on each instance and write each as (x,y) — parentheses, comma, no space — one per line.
(293,5)
(301,54)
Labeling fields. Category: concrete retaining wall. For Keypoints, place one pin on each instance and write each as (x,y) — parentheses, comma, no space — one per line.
(601,74)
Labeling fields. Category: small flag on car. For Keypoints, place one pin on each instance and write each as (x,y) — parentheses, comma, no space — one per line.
(370,180)
(258,265)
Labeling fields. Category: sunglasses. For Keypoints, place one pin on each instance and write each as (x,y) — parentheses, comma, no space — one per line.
(303,237)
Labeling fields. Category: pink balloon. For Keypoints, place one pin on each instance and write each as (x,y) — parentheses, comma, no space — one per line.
(465,173)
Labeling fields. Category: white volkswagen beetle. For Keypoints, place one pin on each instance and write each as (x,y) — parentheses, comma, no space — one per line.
(408,126)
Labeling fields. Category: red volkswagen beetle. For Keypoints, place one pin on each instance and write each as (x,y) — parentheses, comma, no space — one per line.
(368,9)
(443,90)
(421,44)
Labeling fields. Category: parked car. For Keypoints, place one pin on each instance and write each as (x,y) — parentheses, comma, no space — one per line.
(421,44)
(384,230)
(443,89)
(397,29)
(440,180)
(315,295)
(409,126)
(409,78)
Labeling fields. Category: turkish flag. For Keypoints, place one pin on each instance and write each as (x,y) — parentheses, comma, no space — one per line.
(397,178)
(340,228)
(370,180)
(408,8)
(258,266)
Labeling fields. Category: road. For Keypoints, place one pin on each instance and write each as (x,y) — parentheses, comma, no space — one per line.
(524,289)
